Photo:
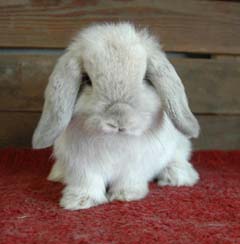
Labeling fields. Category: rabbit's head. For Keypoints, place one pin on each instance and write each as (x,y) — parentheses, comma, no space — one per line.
(118,80)
(114,96)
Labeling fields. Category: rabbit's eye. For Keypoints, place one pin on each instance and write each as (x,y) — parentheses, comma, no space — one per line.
(86,80)
(148,81)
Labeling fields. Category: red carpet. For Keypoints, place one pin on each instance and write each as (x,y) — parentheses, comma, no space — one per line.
(206,213)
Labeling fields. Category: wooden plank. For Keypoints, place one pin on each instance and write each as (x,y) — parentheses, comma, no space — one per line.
(226,57)
(212,85)
(217,132)
(17,128)
(183,25)
(23,80)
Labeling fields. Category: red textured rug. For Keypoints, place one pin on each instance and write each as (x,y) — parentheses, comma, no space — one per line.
(206,213)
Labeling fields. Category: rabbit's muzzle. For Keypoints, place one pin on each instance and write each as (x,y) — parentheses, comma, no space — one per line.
(121,118)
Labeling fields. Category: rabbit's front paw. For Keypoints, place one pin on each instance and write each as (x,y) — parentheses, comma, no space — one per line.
(178,174)
(130,193)
(74,198)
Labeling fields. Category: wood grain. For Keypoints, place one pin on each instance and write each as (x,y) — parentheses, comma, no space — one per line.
(17,128)
(183,25)
(217,132)
(23,80)
(212,85)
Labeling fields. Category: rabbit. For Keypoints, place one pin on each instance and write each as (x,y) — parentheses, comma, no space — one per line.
(117,116)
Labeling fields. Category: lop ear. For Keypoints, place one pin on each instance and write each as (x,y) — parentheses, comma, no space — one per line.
(171,91)
(60,97)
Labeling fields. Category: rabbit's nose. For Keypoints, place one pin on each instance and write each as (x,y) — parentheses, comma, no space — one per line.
(121,129)
(116,127)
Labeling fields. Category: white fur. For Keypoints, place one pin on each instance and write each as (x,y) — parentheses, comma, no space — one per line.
(121,132)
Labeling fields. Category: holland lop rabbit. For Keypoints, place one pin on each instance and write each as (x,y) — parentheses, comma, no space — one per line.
(117,115)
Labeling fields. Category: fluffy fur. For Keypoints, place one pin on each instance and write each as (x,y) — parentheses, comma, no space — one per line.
(130,125)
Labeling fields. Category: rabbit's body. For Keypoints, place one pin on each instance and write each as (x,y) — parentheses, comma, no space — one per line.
(128,123)
(123,164)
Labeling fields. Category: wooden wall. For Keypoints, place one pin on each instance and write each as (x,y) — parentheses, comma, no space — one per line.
(202,39)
